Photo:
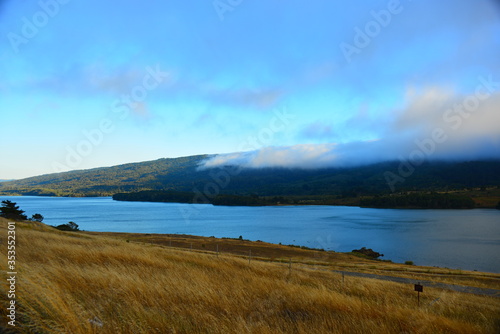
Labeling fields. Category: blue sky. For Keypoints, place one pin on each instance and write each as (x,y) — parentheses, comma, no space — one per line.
(90,83)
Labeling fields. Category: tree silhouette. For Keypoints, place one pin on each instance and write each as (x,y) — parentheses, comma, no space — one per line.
(10,210)
(71,226)
(37,218)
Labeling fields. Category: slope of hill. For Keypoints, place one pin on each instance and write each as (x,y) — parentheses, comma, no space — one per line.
(75,282)
(182,174)
(157,174)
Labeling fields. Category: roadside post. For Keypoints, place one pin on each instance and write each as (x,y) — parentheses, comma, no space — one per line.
(419,288)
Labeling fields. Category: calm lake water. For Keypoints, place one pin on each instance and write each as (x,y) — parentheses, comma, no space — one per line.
(465,239)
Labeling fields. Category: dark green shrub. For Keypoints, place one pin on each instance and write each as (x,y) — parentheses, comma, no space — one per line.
(68,227)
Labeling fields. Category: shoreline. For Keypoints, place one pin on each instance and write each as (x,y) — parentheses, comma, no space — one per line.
(394,251)
(114,281)
(351,264)
(270,251)
(272,205)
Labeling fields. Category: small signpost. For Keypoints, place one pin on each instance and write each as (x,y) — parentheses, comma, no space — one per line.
(419,288)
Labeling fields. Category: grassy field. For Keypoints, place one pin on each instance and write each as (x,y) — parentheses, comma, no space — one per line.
(80,282)
(483,197)
(310,257)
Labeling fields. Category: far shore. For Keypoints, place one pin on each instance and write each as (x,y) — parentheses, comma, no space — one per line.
(482,203)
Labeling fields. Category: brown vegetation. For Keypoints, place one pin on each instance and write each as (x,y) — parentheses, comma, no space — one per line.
(74,282)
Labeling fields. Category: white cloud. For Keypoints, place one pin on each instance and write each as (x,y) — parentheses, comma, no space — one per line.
(303,156)
(435,124)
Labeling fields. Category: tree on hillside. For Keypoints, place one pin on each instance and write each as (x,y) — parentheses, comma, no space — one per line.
(10,210)
(37,218)
(71,226)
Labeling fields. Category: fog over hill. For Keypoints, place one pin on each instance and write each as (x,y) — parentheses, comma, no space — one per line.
(436,124)
(191,174)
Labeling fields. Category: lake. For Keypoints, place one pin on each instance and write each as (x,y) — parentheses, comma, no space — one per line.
(460,239)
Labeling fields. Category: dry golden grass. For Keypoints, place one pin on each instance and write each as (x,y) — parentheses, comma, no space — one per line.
(321,259)
(82,283)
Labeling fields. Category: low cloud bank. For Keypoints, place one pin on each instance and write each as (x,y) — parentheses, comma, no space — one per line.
(435,125)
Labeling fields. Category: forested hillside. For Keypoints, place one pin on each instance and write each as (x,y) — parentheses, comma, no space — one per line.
(182,174)
(157,174)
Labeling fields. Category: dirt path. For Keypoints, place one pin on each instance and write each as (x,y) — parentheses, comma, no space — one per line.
(454,287)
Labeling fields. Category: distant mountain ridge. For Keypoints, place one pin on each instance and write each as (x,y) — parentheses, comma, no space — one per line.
(183,174)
